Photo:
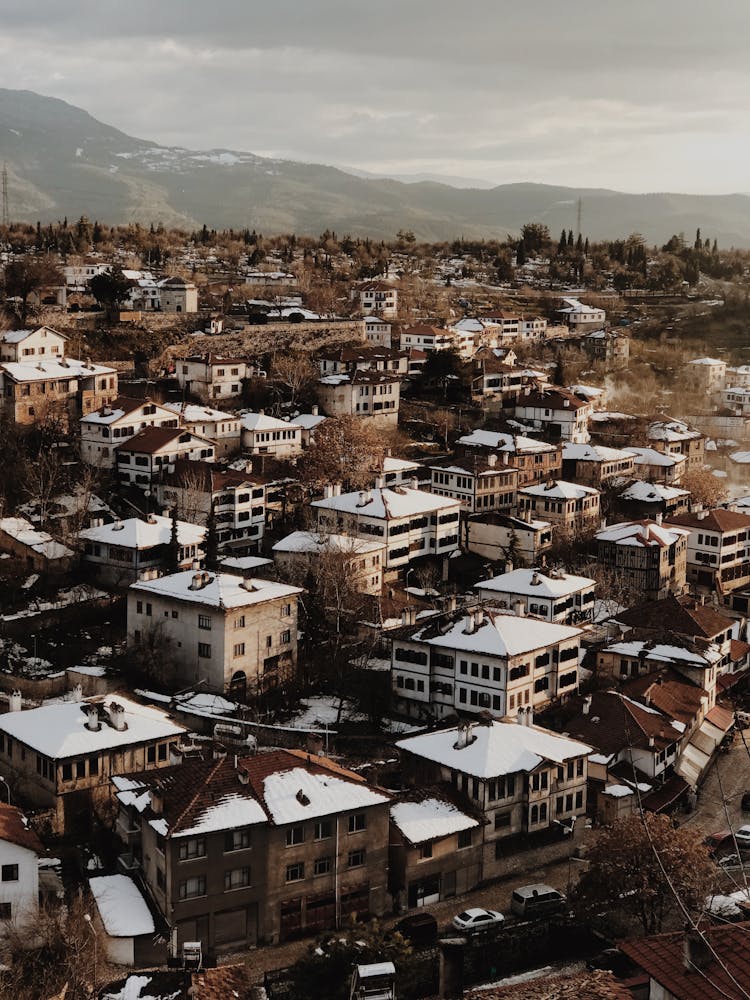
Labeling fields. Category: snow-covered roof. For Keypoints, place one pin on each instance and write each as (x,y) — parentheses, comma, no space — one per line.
(309,421)
(429,819)
(395,502)
(592,453)
(575,306)
(313,541)
(191,413)
(650,456)
(222,590)
(671,430)
(59,730)
(535,583)
(244,563)
(707,361)
(262,422)
(645,533)
(586,391)
(25,533)
(121,906)
(740,457)
(665,653)
(499,633)
(559,490)
(18,336)
(136,533)
(499,441)
(651,492)
(618,791)
(494,749)
(392,464)
(43,370)
(233,810)
(321,795)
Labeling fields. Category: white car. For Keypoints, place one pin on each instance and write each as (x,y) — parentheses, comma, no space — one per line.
(477,919)
(742,836)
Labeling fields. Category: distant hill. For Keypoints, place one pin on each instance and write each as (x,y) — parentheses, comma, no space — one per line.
(61,161)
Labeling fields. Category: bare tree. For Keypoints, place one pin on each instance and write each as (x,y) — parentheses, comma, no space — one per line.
(344,451)
(294,371)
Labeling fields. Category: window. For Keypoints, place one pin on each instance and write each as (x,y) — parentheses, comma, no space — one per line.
(356,858)
(239,622)
(236,878)
(5,911)
(322,866)
(162,751)
(357,822)
(323,829)
(286,637)
(204,650)
(151,755)
(239,649)
(236,840)
(192,887)
(193,847)
(9,873)
(295,872)
(161,879)
(295,835)
(464,839)
(579,800)
(67,770)
(425,851)
(204,621)
(502,821)
(80,769)
(286,610)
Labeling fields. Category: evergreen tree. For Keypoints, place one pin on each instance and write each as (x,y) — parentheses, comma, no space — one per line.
(715,248)
(698,241)
(520,255)
(561,246)
(570,238)
(212,541)
(586,246)
(172,556)
(579,244)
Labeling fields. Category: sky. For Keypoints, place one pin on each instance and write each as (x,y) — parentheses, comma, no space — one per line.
(631,95)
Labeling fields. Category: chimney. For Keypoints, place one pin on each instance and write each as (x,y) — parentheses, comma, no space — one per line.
(463,736)
(337,489)
(492,460)
(196,565)
(247,584)
(529,712)
(92,719)
(118,526)
(197,582)
(76,694)
(408,616)
(519,609)
(696,951)
(117,716)
(659,519)
(520,717)
(535,581)
(468,624)
(414,483)
(379,483)
(314,410)
(327,492)
(151,519)
(508,566)
(243,775)
(16,701)
(587,704)
(450,602)
(156,796)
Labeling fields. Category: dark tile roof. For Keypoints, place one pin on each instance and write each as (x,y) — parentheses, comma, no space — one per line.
(552,399)
(662,957)
(151,439)
(681,615)
(668,691)
(14,829)
(713,520)
(614,722)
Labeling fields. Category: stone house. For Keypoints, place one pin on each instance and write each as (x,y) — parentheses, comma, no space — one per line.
(650,557)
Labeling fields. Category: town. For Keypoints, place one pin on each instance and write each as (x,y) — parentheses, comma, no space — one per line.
(347,582)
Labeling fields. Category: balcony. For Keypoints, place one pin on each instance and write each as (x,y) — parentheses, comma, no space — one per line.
(128,863)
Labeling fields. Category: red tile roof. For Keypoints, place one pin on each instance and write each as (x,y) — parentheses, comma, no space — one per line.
(14,830)
(675,614)
(713,520)
(614,722)
(662,957)
(552,399)
(668,691)
(151,439)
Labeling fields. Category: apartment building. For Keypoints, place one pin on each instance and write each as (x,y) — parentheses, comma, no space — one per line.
(718,548)
(224,429)
(60,757)
(210,376)
(153,452)
(238,499)
(106,427)
(535,461)
(369,395)
(265,435)
(482,660)
(261,849)
(480,483)
(528,783)
(555,412)
(567,506)
(650,557)
(554,596)
(410,522)
(228,633)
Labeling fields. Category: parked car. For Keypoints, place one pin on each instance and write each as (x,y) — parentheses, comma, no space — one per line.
(477,919)
(716,841)
(537,900)
(742,836)
(421,929)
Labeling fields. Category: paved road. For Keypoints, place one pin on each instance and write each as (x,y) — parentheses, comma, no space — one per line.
(730,774)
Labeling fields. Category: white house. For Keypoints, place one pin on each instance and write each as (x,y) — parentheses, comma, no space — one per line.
(136,549)
(224,429)
(554,595)
(658,466)
(178,296)
(718,548)
(154,451)
(370,395)
(377,331)
(42,343)
(226,632)
(379,298)
(582,318)
(20,848)
(411,522)
(556,412)
(428,338)
(265,435)
(103,429)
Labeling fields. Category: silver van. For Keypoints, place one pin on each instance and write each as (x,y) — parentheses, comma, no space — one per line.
(537,900)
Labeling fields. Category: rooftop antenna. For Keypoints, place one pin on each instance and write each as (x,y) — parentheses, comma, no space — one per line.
(6,210)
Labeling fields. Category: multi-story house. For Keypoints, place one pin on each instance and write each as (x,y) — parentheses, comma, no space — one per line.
(210,377)
(226,632)
(261,849)
(555,412)
(675,437)
(609,347)
(528,783)
(377,331)
(658,466)
(581,318)
(154,451)
(498,385)
(535,461)
(555,596)
(718,548)
(238,499)
(641,499)
(428,338)
(378,298)
(482,659)
(348,360)
(78,276)
(651,558)
(178,296)
(569,507)
(354,562)
(60,757)
(594,465)
(514,328)
(738,376)
(224,429)
(496,536)
(137,549)
(42,343)
(103,429)
(479,482)
(705,377)
(20,849)
(265,435)
(411,523)
(370,395)
(62,388)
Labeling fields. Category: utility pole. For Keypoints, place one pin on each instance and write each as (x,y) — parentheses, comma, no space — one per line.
(580,207)
(5,212)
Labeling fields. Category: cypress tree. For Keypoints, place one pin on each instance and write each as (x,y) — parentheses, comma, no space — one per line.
(212,541)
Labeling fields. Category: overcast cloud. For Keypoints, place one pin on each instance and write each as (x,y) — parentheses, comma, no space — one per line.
(636,96)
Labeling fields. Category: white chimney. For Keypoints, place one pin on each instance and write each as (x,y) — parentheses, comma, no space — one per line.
(587,704)
(16,701)
(327,492)
(379,483)
(414,483)
(519,609)
(468,624)
(92,719)
(659,519)
(197,582)
(520,717)
(492,460)
(117,716)
(314,410)
(77,693)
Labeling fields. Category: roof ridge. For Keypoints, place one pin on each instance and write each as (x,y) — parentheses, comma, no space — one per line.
(211,774)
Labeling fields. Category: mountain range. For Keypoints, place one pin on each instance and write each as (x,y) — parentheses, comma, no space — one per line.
(62,161)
